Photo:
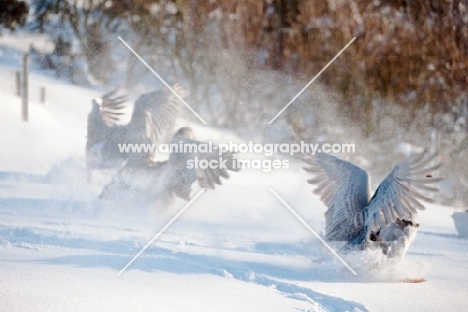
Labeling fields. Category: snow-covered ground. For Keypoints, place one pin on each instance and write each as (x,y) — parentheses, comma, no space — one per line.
(236,248)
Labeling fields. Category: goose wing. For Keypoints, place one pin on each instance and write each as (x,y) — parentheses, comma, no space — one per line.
(185,170)
(112,108)
(399,194)
(154,113)
(344,189)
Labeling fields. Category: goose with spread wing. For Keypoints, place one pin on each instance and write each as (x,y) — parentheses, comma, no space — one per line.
(387,220)
(153,114)
(158,183)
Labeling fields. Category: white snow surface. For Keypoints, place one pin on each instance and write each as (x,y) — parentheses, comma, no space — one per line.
(236,248)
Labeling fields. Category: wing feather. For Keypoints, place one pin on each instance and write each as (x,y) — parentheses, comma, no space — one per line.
(153,114)
(344,189)
(183,177)
(399,194)
(113,108)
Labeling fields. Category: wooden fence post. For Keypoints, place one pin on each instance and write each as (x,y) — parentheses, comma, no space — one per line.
(18,82)
(43,94)
(25,93)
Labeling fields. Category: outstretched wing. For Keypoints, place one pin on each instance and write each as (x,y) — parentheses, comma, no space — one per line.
(104,130)
(185,170)
(344,189)
(112,108)
(154,113)
(397,197)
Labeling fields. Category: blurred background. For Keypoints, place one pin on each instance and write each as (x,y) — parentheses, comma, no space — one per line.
(400,87)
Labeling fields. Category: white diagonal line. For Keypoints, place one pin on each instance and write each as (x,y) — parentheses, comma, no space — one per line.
(160,232)
(162,80)
(313,232)
(313,79)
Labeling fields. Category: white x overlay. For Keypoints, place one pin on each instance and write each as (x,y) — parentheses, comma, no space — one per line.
(162,80)
(160,232)
(313,232)
(196,196)
(313,79)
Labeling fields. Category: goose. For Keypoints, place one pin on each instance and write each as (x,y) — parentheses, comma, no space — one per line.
(388,219)
(159,182)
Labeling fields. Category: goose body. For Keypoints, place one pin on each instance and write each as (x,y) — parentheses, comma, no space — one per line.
(158,183)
